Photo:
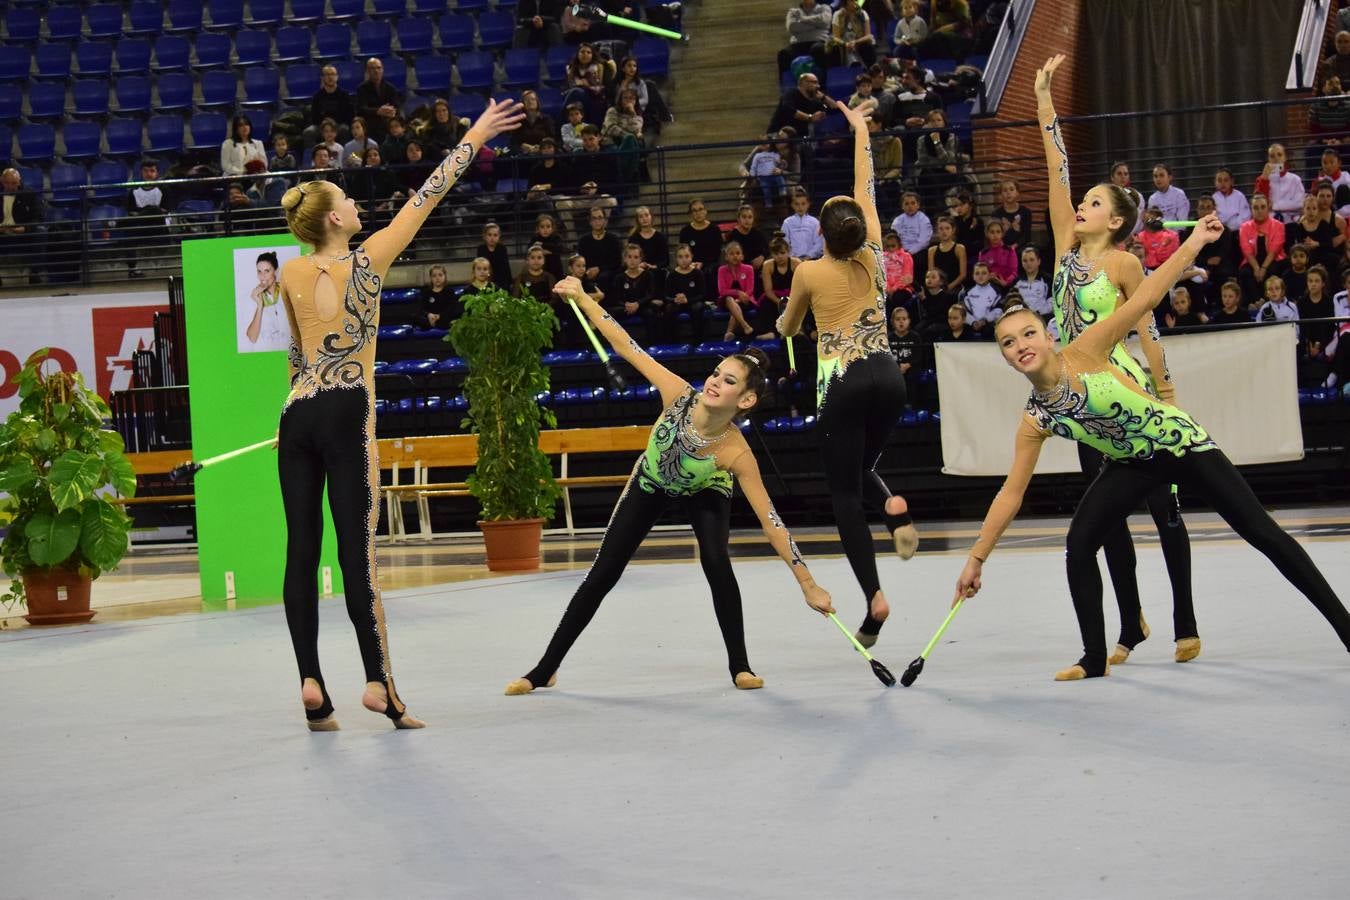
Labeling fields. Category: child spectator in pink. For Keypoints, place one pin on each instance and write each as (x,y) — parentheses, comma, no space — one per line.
(899,272)
(735,281)
(998,256)
(1158,243)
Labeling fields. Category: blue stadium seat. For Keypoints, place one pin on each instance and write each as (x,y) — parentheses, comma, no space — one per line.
(46,101)
(124,137)
(395,332)
(32,178)
(374,38)
(717,348)
(465,6)
(653,56)
(53,61)
(61,214)
(104,20)
(172,52)
(456,32)
(262,87)
(133,56)
(226,15)
(208,130)
(346,10)
(260,118)
(22,26)
(551,103)
(495,29)
(165,134)
(91,97)
(433,74)
(306,11)
(102,221)
(219,89)
(200,209)
(94,59)
(15,64)
(37,142)
(11,108)
(839,80)
(475,70)
(175,92)
(396,72)
(213,51)
(669,351)
(68,183)
(334,41)
(389,9)
(452,365)
(107,173)
(133,94)
(185,16)
(265,13)
(470,106)
(350,75)
(145,17)
(522,68)
(555,63)
(302,82)
(252,47)
(429,7)
(293,44)
(64,23)
(82,139)
(414,35)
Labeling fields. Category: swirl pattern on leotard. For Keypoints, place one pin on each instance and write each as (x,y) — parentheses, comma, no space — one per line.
(673,461)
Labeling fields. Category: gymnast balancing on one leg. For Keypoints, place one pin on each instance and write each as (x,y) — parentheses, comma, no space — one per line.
(860,391)
(1092,279)
(694,451)
(1079,394)
(327,433)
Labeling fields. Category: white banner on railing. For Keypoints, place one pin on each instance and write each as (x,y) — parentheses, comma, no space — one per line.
(1241,384)
(94,334)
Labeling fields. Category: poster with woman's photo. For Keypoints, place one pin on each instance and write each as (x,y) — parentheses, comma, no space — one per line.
(260,316)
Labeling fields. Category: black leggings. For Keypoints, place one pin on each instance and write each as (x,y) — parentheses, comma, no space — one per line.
(1120,559)
(854,422)
(1118,488)
(328,437)
(634,515)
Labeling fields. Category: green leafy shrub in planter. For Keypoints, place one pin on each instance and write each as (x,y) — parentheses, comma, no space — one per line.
(54,456)
(500,337)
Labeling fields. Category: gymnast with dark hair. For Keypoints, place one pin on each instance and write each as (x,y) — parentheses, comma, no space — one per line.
(694,453)
(1079,393)
(1092,279)
(860,392)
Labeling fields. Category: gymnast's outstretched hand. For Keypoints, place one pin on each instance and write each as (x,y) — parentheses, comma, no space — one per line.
(968,585)
(1045,74)
(818,598)
(857,116)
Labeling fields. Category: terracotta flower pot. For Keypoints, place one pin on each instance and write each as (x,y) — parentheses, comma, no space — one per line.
(512,544)
(56,597)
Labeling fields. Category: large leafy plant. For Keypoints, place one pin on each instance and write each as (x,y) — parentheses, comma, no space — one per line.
(500,337)
(54,458)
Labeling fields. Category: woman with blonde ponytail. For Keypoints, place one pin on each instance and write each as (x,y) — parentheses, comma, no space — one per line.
(327,432)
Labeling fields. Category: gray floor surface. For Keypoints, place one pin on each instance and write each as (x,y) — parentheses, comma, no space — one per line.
(168,757)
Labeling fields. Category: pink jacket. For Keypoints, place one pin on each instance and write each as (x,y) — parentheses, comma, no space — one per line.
(1273,231)
(743,275)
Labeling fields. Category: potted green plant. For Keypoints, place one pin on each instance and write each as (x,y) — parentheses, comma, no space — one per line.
(55,457)
(500,338)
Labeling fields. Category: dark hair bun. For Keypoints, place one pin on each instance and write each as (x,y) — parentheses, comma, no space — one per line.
(842,224)
(760,357)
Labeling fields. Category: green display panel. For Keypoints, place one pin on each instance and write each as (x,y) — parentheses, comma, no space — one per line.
(237,338)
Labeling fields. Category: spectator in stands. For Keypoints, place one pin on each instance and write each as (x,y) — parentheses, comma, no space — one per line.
(1327,213)
(982,301)
(1283,187)
(283,160)
(802,107)
(1220,258)
(570,132)
(592,96)
(354,151)
(633,293)
(775,278)
(851,41)
(630,77)
(147,206)
(645,235)
(998,256)
(1231,310)
(583,62)
(910,30)
(320,161)
(704,240)
(328,102)
(529,137)
(899,271)
(240,153)
(909,349)
(1332,173)
(546,175)
(969,227)
(603,251)
(808,27)
(1316,303)
(623,123)
(1295,277)
(576,267)
(1230,203)
(494,251)
(1159,243)
(480,279)
(236,197)
(1261,241)
(1032,285)
(538,24)
(591,173)
(754,247)
(446,130)
(1014,214)
(546,236)
(766,168)
(415,171)
(913,226)
(1120,176)
(1329,117)
(439,303)
(937,161)
(862,91)
(394,147)
(686,289)
(950,30)
(956,330)
(377,101)
(373,185)
(934,301)
(1319,237)
(1337,65)
(914,100)
(802,230)
(735,290)
(1278,307)
(885,99)
(328,140)
(1181,315)
(534,280)
(948,256)
(1169,199)
(888,160)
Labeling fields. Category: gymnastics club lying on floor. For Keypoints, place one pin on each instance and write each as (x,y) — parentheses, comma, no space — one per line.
(595,12)
(615,380)
(189,468)
(916,667)
(878,669)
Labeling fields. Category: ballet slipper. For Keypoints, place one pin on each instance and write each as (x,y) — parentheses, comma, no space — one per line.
(867,640)
(1078,673)
(523,686)
(311,695)
(748,681)
(1123,652)
(376,699)
(1187,649)
(327,723)
(905,536)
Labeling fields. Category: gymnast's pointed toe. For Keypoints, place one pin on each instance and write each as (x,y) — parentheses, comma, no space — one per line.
(1187,649)
(748,681)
